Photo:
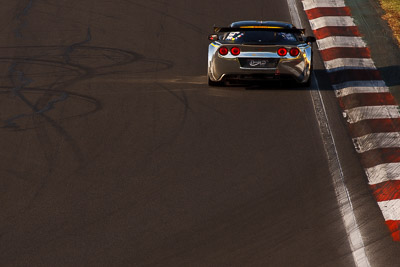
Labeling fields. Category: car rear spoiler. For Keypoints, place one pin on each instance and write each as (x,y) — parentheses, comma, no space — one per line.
(257,28)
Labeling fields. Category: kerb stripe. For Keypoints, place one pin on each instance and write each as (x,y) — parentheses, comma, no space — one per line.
(354,74)
(394,227)
(375,125)
(379,156)
(327,11)
(340,41)
(349,63)
(345,52)
(372,112)
(310,4)
(386,190)
(334,21)
(376,140)
(390,209)
(339,31)
(357,87)
(383,173)
(366,99)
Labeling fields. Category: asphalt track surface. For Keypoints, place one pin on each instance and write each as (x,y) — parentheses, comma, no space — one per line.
(115,152)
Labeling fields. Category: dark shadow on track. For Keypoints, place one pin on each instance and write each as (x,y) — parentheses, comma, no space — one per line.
(391,75)
(320,74)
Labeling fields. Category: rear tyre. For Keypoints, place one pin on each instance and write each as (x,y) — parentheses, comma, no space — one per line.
(215,84)
(308,82)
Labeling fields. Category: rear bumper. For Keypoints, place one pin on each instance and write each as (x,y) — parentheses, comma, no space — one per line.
(255,77)
(229,67)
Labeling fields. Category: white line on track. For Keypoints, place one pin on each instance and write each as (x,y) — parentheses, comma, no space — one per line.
(340,41)
(383,173)
(342,194)
(328,21)
(310,4)
(356,87)
(349,63)
(390,209)
(377,140)
(372,112)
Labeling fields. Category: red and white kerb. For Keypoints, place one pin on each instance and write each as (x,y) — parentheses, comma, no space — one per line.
(372,112)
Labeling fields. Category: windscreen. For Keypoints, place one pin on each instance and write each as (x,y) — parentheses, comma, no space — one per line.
(260,37)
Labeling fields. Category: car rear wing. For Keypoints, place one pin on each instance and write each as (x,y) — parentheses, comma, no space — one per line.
(258,28)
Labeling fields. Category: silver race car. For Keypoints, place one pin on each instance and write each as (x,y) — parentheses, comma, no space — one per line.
(259,50)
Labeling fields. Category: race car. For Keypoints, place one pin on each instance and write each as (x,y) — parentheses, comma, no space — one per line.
(259,50)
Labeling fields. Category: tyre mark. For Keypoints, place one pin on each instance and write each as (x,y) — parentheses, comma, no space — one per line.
(76,70)
(72,47)
(21,21)
(96,106)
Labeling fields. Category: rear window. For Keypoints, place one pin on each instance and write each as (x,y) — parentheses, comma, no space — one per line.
(260,37)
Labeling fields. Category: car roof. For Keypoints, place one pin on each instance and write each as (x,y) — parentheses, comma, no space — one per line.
(245,23)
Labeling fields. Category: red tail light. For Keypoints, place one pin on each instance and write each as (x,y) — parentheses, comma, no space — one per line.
(282,51)
(235,51)
(294,52)
(223,50)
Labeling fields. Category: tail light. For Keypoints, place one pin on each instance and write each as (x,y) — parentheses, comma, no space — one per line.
(282,51)
(223,50)
(235,51)
(294,52)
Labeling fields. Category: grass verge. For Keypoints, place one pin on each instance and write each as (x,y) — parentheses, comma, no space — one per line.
(392,16)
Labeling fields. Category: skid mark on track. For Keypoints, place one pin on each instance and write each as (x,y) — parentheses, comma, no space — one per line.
(21,18)
(182,99)
(72,47)
(43,82)
(93,105)
(18,79)
(38,93)
(9,123)
(84,63)
(50,104)
(51,85)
